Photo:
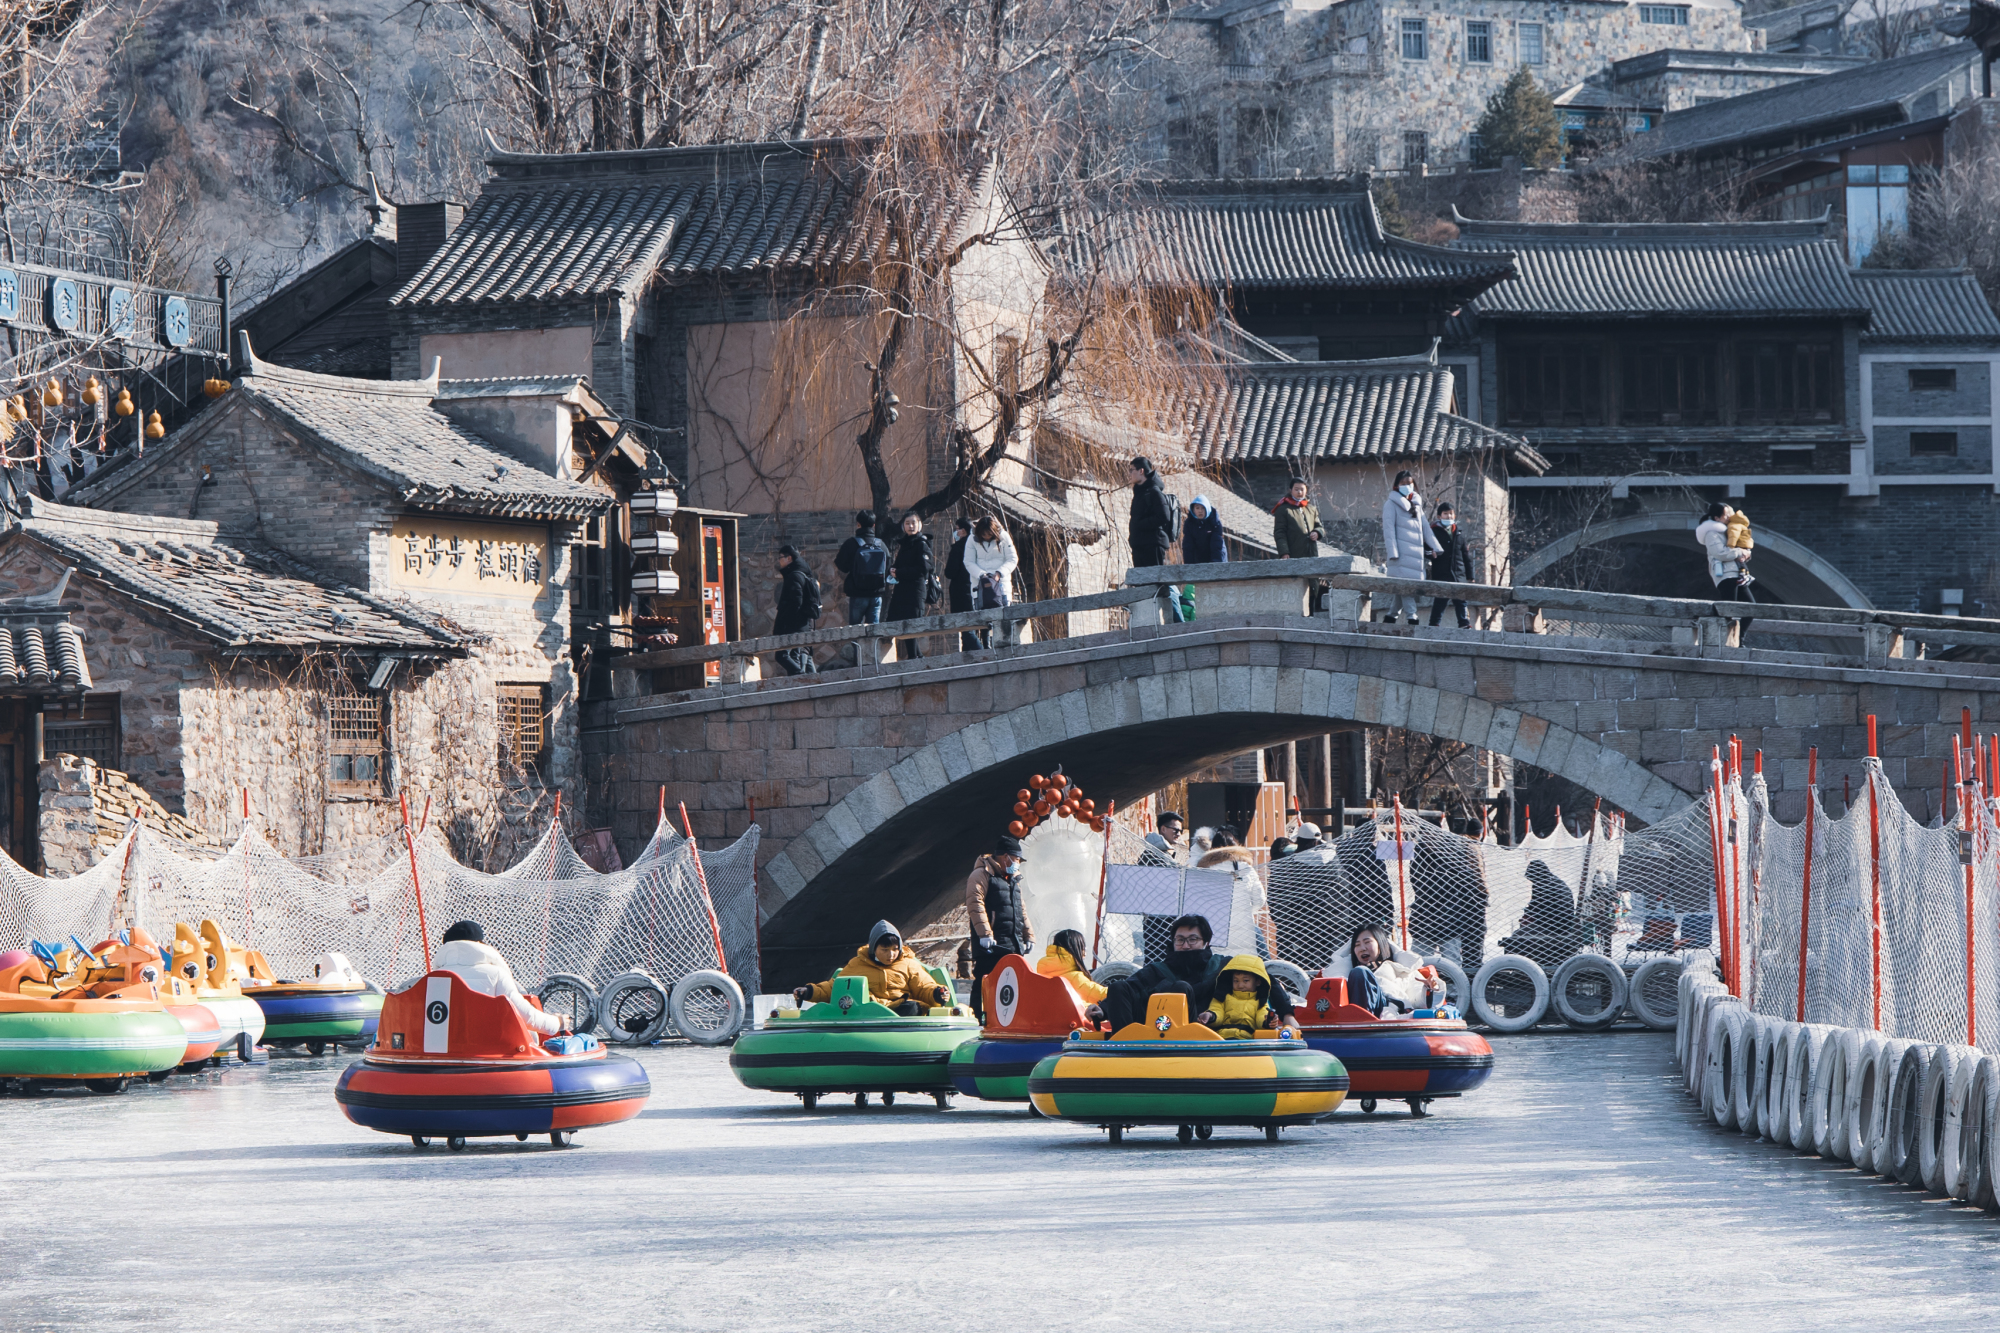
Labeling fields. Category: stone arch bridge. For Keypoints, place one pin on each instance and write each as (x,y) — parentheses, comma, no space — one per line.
(876,784)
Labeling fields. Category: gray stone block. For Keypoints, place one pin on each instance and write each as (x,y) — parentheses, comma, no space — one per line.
(845,821)
(957,762)
(1232,689)
(782,875)
(1342,687)
(1423,709)
(1264,689)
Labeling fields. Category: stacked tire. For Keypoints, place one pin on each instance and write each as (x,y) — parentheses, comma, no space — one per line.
(1917,1113)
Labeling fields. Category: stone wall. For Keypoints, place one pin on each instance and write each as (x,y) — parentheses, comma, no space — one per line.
(85,810)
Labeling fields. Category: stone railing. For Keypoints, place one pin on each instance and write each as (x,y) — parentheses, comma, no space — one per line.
(1342,591)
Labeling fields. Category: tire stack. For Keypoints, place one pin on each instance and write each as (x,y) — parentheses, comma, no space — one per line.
(1589,992)
(633,1009)
(1913,1112)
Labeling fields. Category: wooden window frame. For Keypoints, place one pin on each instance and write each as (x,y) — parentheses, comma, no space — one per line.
(97,716)
(347,740)
(508,700)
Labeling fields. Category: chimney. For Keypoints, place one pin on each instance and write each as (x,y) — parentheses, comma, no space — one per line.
(421,231)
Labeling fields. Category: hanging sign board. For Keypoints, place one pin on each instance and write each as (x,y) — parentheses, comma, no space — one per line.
(446,555)
(1388,849)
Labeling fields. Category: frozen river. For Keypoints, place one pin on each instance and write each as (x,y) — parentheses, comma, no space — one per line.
(1578,1189)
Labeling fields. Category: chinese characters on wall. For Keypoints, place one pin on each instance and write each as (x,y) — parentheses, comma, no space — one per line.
(486,559)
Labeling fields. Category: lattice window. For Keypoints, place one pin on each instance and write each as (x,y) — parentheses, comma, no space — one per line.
(86,728)
(354,742)
(524,724)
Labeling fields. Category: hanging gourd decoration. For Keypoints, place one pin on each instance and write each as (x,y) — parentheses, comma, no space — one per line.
(1090,807)
(215,388)
(93,392)
(17,408)
(124,406)
(155,428)
(1020,809)
(53,395)
(1024,795)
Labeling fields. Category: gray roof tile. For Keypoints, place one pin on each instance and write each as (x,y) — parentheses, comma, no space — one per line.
(391,430)
(1926,306)
(1893,91)
(559,227)
(236,594)
(1745,270)
(1252,235)
(1341,410)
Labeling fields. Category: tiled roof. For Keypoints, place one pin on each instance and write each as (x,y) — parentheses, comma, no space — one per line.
(1339,410)
(560,227)
(392,430)
(1926,306)
(39,651)
(1267,235)
(1039,511)
(1742,270)
(1907,88)
(237,594)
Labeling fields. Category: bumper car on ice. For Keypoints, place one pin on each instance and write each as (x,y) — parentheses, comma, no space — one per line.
(1414,1059)
(336,1007)
(1167,1071)
(1028,1018)
(449,1062)
(849,1043)
(102,1036)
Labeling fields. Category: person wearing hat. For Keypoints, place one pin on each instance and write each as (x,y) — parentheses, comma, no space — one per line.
(1305,837)
(997,912)
(480,966)
(896,977)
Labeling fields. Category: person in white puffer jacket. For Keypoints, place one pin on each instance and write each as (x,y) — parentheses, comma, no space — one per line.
(1379,974)
(480,966)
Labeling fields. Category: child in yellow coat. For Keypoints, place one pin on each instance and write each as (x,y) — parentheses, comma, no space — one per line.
(1737,530)
(1240,1006)
(1064,958)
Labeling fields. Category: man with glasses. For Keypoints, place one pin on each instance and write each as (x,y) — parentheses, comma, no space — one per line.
(1164,846)
(1189,969)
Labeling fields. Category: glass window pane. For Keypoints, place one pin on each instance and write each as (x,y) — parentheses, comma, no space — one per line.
(1531,43)
(1890,175)
(1861,175)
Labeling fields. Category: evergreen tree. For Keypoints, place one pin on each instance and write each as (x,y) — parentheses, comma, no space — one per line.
(1520,121)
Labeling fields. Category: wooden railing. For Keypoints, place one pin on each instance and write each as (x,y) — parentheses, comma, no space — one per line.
(1339,590)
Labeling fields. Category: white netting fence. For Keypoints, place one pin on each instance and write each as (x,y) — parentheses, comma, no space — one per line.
(550,912)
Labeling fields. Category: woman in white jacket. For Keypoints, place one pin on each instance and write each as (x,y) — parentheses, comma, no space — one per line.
(1406,532)
(991,561)
(1379,974)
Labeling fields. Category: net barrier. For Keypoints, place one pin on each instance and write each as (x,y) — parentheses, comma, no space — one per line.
(548,913)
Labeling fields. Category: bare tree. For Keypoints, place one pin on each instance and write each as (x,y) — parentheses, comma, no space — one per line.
(1882,29)
(1954,222)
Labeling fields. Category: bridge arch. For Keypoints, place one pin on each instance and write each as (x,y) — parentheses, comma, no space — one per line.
(1789,569)
(893,844)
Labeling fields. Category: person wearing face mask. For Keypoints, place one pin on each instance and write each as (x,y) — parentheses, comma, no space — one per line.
(1405,538)
(1190,968)
(1451,564)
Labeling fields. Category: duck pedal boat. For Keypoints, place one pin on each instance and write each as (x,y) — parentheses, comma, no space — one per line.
(1415,1059)
(848,1043)
(202,958)
(100,1036)
(1167,1071)
(131,958)
(1028,1018)
(452,1063)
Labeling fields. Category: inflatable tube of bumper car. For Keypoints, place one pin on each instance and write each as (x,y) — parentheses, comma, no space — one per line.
(449,1062)
(849,1043)
(1409,1058)
(1167,1071)
(1028,1018)
(102,1039)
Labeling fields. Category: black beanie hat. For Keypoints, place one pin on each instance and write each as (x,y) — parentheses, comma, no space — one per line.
(466,930)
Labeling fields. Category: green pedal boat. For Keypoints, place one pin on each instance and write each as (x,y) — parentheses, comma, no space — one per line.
(850,1044)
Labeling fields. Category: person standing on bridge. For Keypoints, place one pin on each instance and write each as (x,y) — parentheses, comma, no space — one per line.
(915,584)
(997,914)
(958,582)
(798,609)
(1451,564)
(1150,532)
(1295,526)
(864,560)
(1405,537)
(990,560)
(1726,564)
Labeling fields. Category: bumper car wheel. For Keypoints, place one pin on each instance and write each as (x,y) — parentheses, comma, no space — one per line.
(1117,1134)
(315,1047)
(419,1141)
(562,1138)
(1368,1106)
(1204,1132)
(456,1143)
(1270,1133)
(1185,1133)
(811,1099)
(888,1099)
(943,1100)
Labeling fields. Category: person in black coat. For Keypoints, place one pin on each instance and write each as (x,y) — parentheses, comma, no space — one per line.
(912,592)
(1451,563)
(1201,535)
(1151,530)
(798,609)
(958,582)
(1189,968)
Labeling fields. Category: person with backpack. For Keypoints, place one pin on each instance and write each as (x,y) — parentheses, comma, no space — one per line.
(1153,529)
(798,610)
(990,560)
(864,561)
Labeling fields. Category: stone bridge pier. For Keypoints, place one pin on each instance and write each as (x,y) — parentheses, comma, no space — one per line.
(877,785)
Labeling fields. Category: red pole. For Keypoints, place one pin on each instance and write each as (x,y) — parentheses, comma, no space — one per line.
(424,821)
(1805,898)
(416,886)
(1874,878)
(1965,832)
(1103,875)
(1402,877)
(556,818)
(714,926)
(1715,846)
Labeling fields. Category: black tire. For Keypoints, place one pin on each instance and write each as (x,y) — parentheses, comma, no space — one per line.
(1107,973)
(708,1008)
(1185,1133)
(563,1138)
(520,1138)
(107,1087)
(1368,1106)
(571,998)
(861,1099)
(246,1049)
(315,1047)
(888,1099)
(943,1100)
(1270,1133)
(1420,1108)
(456,1143)
(1117,1134)
(419,1141)
(160,1075)
(809,1099)
(1204,1132)
(1457,986)
(1295,979)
